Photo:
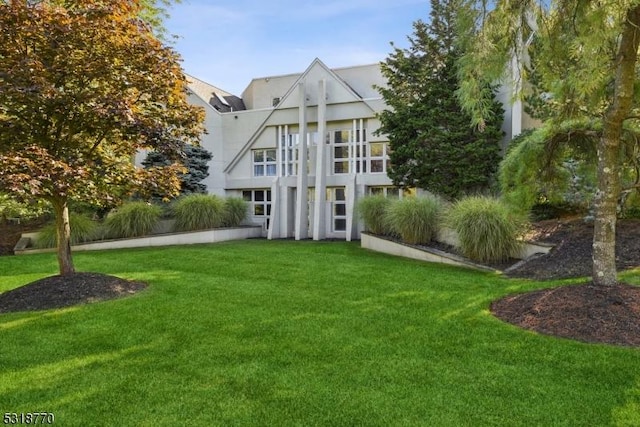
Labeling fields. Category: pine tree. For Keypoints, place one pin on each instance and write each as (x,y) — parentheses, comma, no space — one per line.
(196,161)
(433,145)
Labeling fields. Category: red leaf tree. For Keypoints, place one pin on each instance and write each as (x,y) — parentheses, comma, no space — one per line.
(85,85)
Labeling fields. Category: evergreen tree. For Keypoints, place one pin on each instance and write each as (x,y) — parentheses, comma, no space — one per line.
(196,161)
(433,145)
(585,56)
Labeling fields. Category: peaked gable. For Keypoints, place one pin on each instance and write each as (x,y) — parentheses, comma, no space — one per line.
(338,91)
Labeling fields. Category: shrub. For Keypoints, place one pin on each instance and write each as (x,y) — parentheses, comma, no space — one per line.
(414,219)
(235,211)
(372,210)
(132,219)
(199,211)
(83,229)
(11,208)
(487,229)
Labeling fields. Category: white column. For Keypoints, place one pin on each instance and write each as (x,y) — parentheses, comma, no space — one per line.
(273,232)
(302,208)
(350,194)
(319,216)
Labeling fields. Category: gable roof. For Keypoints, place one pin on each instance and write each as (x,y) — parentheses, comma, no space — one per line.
(219,99)
(344,93)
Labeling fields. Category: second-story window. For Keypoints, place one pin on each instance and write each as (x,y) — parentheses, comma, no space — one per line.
(264,162)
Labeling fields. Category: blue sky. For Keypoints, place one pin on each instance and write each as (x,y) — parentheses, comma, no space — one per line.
(229,42)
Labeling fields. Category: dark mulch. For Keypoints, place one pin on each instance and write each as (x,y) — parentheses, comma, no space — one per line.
(586,312)
(571,255)
(63,291)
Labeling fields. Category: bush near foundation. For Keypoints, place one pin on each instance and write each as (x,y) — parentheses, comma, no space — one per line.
(414,219)
(132,219)
(235,211)
(199,212)
(488,230)
(372,210)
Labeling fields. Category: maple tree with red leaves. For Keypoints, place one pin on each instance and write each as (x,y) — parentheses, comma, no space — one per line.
(84,86)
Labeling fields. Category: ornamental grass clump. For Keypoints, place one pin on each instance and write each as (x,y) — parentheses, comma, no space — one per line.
(83,229)
(372,210)
(132,219)
(199,212)
(235,211)
(414,219)
(488,230)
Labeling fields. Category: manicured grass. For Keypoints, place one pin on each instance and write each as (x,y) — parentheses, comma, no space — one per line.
(300,333)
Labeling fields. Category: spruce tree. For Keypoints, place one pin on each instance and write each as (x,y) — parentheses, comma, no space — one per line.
(196,161)
(433,145)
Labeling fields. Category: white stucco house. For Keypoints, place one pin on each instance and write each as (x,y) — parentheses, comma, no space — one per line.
(301,148)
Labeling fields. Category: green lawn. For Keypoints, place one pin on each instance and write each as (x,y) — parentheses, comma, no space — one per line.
(285,333)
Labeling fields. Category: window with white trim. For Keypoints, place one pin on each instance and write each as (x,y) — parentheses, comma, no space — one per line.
(349,149)
(378,157)
(338,198)
(264,162)
(259,202)
(289,144)
(390,192)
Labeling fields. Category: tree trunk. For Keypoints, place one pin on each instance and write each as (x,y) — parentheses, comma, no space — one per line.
(63,232)
(606,200)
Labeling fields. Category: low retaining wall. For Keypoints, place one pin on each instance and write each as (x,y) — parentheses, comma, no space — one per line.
(392,247)
(450,237)
(189,238)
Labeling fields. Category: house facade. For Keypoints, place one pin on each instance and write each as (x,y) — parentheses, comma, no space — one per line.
(301,149)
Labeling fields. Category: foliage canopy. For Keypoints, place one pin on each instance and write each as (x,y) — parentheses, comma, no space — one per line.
(577,61)
(85,84)
(433,145)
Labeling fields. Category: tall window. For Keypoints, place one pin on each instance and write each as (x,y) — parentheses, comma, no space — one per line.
(338,199)
(378,157)
(341,150)
(349,149)
(288,145)
(264,162)
(288,154)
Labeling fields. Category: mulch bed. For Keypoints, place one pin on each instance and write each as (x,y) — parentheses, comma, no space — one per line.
(64,291)
(582,312)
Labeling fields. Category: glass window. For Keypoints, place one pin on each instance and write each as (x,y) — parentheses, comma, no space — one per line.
(378,157)
(337,197)
(341,167)
(264,162)
(377,166)
(376,149)
(390,192)
(260,201)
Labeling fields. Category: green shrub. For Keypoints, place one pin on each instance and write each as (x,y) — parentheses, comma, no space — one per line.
(414,219)
(372,210)
(11,208)
(83,229)
(198,212)
(132,219)
(235,211)
(487,229)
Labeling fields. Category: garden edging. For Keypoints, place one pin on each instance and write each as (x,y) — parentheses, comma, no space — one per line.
(169,239)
